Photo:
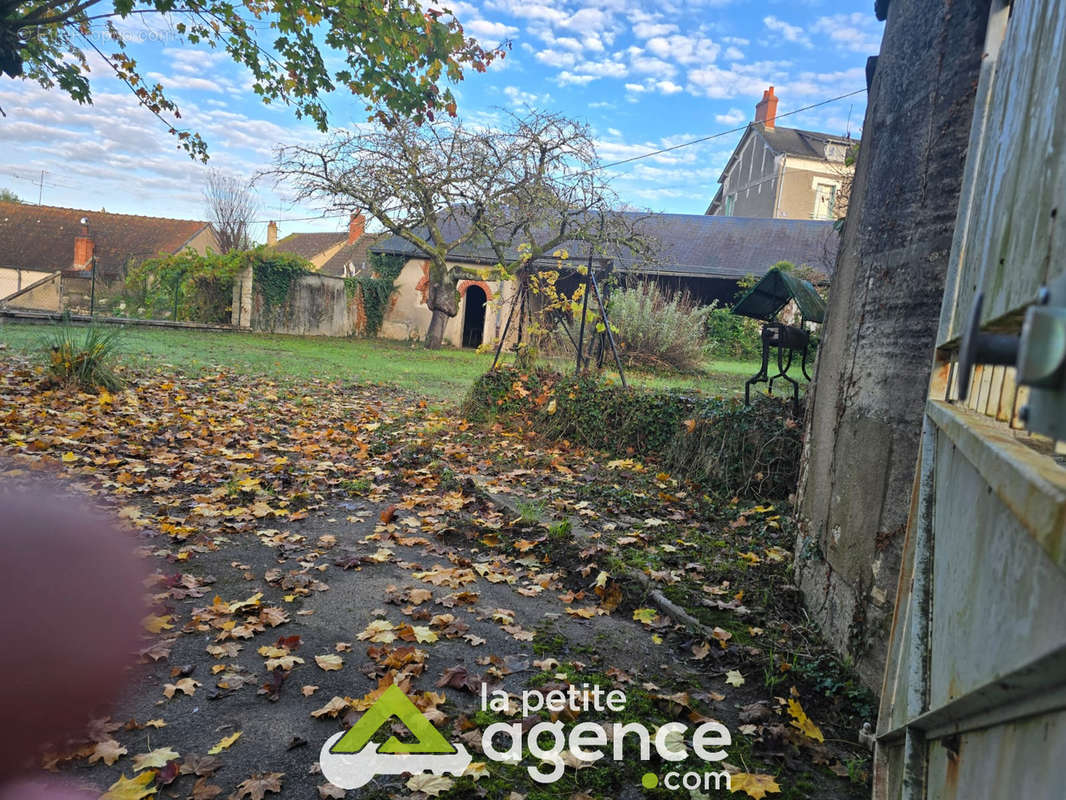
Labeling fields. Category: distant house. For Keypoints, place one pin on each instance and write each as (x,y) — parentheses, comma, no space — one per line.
(40,241)
(787,173)
(339,254)
(704,255)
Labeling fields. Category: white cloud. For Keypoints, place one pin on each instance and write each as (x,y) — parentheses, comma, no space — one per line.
(566,78)
(522,99)
(790,33)
(733,117)
(490,32)
(646,30)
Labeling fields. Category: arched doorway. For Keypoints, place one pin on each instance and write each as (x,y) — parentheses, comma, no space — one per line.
(474,316)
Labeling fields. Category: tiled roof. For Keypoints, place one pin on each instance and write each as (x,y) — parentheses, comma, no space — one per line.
(354,254)
(697,245)
(796,142)
(42,237)
(309,245)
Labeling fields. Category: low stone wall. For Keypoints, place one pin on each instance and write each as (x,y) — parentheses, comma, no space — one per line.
(317,305)
(45,294)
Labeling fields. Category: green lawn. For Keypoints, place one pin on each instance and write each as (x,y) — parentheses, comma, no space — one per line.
(443,374)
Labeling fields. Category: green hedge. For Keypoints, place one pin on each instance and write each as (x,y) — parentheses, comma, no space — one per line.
(751,451)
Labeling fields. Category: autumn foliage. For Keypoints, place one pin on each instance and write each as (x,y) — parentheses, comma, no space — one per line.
(750,451)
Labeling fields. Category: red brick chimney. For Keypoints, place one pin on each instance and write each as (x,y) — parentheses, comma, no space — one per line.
(766,109)
(83,247)
(272,233)
(356,227)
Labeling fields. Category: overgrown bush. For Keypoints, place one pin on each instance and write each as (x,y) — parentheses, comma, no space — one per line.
(185,286)
(659,329)
(732,336)
(85,361)
(749,451)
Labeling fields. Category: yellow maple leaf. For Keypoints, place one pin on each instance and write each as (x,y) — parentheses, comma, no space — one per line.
(645,615)
(734,678)
(755,786)
(131,788)
(801,721)
(225,743)
(584,613)
(156,759)
(69,457)
(154,624)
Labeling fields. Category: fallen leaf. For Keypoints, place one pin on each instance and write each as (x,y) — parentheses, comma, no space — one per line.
(257,786)
(734,678)
(755,786)
(429,784)
(329,663)
(801,721)
(154,759)
(224,744)
(109,751)
(131,788)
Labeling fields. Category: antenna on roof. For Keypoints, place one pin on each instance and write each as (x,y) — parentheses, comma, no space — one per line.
(848,134)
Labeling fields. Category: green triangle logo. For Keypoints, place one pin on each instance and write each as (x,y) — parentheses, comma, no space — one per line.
(394,703)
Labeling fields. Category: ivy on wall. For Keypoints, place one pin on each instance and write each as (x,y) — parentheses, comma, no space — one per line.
(376,289)
(274,274)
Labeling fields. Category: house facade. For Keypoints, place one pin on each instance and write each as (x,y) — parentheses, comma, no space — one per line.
(68,247)
(784,173)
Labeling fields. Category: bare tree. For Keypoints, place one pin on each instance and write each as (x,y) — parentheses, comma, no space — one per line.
(514,195)
(231,206)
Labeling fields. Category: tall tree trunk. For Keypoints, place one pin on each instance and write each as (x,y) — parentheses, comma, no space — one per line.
(443,300)
(435,334)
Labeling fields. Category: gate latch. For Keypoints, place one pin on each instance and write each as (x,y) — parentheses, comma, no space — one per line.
(1038,356)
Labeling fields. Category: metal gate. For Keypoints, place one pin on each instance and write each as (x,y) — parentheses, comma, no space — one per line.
(974,700)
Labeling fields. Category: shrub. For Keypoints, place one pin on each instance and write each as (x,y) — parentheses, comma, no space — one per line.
(659,329)
(732,336)
(86,362)
(186,286)
(749,451)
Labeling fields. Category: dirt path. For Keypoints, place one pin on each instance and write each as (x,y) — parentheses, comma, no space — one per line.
(340,523)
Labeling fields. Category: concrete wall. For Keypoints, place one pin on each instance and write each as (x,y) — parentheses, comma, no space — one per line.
(865,406)
(14,280)
(317,305)
(44,294)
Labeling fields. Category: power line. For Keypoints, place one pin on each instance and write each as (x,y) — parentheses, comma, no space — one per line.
(640,157)
(721,133)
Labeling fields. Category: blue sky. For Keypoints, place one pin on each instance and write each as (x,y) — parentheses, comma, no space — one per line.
(643,75)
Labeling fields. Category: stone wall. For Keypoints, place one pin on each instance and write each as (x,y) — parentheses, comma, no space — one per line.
(865,407)
(317,305)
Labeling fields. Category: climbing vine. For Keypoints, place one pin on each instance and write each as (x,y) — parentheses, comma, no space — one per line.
(376,289)
(274,275)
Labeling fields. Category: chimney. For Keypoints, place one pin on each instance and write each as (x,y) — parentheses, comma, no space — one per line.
(272,233)
(83,247)
(766,109)
(356,227)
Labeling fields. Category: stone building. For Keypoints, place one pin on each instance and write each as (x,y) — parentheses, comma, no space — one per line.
(785,173)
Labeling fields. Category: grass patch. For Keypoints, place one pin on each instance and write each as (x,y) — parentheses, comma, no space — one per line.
(440,374)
